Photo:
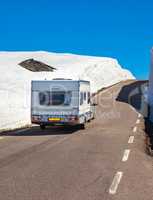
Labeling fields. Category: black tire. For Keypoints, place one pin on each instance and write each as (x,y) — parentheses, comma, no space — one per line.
(42,126)
(82,126)
(67,127)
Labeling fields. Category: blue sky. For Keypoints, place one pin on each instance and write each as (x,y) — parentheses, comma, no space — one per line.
(112,28)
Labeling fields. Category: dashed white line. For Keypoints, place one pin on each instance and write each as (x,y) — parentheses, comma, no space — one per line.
(116,181)
(126,155)
(131,139)
(138,121)
(132,108)
(135,129)
(139,115)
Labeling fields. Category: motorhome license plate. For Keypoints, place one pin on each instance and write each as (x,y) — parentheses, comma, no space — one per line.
(54,119)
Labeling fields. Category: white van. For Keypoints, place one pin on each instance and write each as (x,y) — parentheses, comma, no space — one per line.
(61,102)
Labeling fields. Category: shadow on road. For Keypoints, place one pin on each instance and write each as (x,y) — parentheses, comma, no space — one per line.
(36,131)
(133,95)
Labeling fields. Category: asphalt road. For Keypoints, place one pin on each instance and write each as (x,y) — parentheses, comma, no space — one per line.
(105,161)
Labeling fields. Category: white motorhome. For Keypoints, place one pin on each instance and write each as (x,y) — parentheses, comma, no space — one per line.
(61,102)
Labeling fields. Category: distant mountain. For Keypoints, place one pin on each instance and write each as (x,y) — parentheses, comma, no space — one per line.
(15,81)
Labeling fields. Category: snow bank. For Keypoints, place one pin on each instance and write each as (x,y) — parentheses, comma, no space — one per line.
(15,81)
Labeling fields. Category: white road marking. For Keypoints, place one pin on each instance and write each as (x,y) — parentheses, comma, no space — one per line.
(126,155)
(1,138)
(132,108)
(135,129)
(116,181)
(138,121)
(22,130)
(131,139)
(139,115)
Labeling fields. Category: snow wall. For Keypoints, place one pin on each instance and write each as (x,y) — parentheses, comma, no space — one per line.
(15,81)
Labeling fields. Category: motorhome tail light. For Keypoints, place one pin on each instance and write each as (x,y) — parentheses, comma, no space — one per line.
(73,118)
(36,118)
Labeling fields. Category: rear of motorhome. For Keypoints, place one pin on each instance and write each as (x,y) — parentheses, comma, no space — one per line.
(61,102)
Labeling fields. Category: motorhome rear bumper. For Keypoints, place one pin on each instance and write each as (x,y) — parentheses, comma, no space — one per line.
(52,120)
(58,123)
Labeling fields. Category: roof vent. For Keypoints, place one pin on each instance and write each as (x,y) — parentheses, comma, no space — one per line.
(36,66)
(62,79)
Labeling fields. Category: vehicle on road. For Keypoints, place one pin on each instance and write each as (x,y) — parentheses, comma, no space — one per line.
(61,102)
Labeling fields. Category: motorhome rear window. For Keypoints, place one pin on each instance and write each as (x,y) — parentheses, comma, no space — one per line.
(81,98)
(55,98)
(85,96)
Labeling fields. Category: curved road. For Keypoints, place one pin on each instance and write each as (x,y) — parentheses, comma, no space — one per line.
(105,161)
